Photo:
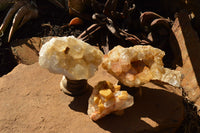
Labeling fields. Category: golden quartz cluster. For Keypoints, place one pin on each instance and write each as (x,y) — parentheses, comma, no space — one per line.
(133,67)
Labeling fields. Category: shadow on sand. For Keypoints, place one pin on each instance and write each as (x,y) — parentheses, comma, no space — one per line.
(156,110)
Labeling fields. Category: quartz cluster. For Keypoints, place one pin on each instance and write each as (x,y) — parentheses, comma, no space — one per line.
(137,65)
(70,57)
(133,67)
(107,98)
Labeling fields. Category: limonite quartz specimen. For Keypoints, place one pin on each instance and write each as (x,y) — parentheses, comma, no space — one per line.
(137,65)
(71,57)
(107,98)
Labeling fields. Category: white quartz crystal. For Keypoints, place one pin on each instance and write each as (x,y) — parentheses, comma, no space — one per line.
(71,57)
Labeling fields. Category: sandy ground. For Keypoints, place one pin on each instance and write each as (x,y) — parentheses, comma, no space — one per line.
(31,101)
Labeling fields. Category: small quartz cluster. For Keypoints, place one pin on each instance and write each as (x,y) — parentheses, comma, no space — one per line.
(135,66)
(70,57)
(107,98)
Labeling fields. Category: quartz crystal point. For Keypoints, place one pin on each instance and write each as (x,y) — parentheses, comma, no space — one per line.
(107,98)
(135,66)
(70,57)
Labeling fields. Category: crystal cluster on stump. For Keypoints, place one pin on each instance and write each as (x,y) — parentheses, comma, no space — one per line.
(75,59)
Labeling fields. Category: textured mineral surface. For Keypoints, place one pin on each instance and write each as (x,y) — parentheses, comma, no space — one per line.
(135,66)
(71,57)
(107,98)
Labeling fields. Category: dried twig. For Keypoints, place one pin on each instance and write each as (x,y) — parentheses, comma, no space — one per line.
(89,31)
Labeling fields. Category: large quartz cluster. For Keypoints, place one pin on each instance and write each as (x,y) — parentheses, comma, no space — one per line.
(70,57)
(135,66)
(107,98)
